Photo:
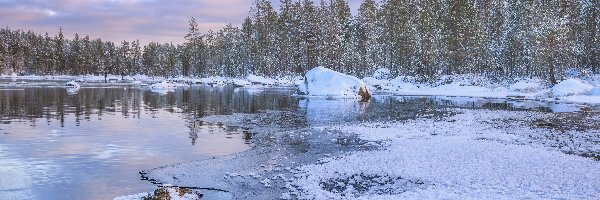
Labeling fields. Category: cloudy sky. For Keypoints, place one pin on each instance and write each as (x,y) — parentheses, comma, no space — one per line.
(118,20)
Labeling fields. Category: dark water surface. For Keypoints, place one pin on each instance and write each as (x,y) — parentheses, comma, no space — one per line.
(92,144)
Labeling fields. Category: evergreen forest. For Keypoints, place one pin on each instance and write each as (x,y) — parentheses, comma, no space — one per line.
(500,39)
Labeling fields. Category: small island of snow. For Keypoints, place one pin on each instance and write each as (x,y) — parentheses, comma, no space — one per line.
(321,81)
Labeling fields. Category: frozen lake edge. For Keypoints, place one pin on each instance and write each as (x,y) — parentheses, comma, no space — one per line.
(472,153)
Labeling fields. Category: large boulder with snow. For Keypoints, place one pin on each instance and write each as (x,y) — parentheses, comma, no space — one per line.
(321,81)
(571,87)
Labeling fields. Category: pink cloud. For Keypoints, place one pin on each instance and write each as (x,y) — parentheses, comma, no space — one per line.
(118,20)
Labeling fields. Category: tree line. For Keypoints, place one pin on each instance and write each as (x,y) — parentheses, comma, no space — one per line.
(421,38)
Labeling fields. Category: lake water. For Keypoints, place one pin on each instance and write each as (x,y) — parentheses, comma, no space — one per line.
(92,144)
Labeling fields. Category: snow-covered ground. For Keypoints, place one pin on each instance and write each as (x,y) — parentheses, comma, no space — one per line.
(574,90)
(463,154)
(158,85)
(570,90)
(215,80)
(471,155)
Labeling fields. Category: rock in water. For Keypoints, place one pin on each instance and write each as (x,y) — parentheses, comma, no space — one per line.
(321,81)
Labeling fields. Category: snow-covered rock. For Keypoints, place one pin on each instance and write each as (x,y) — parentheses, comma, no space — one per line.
(72,84)
(571,87)
(321,81)
(382,74)
(72,87)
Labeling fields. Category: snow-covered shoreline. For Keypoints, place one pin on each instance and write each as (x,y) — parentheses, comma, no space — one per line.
(467,156)
(284,81)
(574,90)
(470,154)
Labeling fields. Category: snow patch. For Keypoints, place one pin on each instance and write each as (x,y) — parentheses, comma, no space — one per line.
(382,74)
(571,87)
(163,87)
(527,86)
(254,79)
(465,156)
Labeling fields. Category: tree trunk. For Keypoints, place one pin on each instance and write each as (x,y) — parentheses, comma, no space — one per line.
(552,76)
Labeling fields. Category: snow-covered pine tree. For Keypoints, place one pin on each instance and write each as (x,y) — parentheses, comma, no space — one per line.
(366,41)
(60,55)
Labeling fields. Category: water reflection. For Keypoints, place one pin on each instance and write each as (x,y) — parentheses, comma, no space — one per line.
(90,145)
(55,103)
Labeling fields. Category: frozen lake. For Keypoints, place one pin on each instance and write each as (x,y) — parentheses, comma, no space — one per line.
(92,144)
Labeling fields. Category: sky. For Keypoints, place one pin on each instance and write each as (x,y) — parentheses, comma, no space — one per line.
(118,20)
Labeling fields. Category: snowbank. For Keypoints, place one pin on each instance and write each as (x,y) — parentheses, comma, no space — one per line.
(163,87)
(570,90)
(379,80)
(527,86)
(289,81)
(467,86)
(215,81)
(240,83)
(254,79)
(382,74)
(376,84)
(321,81)
(571,87)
